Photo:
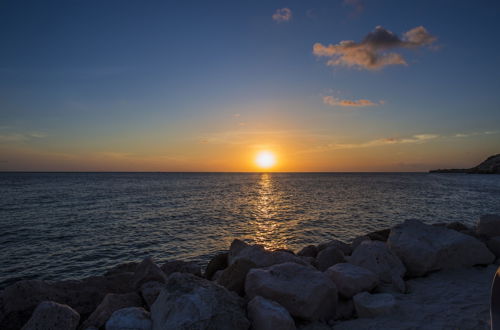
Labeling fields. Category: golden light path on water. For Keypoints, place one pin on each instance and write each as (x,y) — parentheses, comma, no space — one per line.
(268,231)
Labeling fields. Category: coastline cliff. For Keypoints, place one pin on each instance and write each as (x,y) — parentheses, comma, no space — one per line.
(490,166)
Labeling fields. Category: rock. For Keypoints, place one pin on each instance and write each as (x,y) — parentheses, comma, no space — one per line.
(180,266)
(494,245)
(130,318)
(218,262)
(260,256)
(110,304)
(380,235)
(345,309)
(358,240)
(377,257)
(217,275)
(269,315)
(305,292)
(308,251)
(53,316)
(425,248)
(233,277)
(83,295)
(190,302)
(128,267)
(344,247)
(148,271)
(150,291)
(351,279)
(489,225)
(372,305)
(329,257)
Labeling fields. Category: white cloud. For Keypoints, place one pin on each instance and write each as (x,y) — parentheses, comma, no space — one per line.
(282,15)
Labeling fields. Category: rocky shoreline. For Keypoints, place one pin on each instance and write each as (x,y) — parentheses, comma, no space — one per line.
(410,276)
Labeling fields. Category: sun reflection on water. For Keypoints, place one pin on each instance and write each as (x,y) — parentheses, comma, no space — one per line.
(265,224)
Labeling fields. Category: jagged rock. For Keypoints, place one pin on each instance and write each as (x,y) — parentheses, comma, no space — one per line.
(148,271)
(150,291)
(180,266)
(376,256)
(489,225)
(371,305)
(425,248)
(329,257)
(53,316)
(344,247)
(351,279)
(233,277)
(269,315)
(190,302)
(308,251)
(260,256)
(345,309)
(110,304)
(130,318)
(128,267)
(218,262)
(21,298)
(494,245)
(305,292)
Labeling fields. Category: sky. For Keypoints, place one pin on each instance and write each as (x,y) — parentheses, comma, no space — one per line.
(330,85)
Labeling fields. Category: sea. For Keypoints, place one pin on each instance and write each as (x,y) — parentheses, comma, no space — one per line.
(57,226)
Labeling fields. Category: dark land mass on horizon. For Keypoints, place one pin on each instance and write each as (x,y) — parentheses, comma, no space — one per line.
(490,166)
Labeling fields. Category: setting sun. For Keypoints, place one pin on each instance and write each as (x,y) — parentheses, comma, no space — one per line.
(265,159)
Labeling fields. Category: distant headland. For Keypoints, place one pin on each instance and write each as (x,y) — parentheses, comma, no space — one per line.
(490,166)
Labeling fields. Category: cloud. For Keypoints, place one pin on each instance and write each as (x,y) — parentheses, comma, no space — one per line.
(371,53)
(335,102)
(282,15)
(21,137)
(418,138)
(357,5)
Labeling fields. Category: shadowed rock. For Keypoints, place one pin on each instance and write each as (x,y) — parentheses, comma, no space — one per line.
(494,246)
(329,257)
(344,247)
(150,291)
(425,248)
(218,262)
(130,318)
(180,266)
(190,302)
(110,304)
(371,305)
(351,279)
(376,256)
(53,316)
(305,292)
(148,271)
(269,315)
(308,251)
(489,225)
(233,277)
(128,267)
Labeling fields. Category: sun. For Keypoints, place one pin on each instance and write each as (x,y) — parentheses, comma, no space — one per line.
(265,159)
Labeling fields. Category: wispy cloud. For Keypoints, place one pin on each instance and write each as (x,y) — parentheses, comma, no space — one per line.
(20,137)
(282,15)
(418,138)
(336,102)
(370,53)
(466,135)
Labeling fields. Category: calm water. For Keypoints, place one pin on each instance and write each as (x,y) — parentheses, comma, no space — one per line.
(68,225)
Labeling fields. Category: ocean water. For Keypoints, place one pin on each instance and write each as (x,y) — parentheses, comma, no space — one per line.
(71,225)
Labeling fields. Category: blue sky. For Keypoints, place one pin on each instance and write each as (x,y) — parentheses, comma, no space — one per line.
(197,85)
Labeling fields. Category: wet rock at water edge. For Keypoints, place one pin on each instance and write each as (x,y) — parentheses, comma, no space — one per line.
(54,316)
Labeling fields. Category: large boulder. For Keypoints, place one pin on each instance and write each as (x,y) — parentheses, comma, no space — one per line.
(130,318)
(308,251)
(150,291)
(344,247)
(190,302)
(345,309)
(218,262)
(110,304)
(351,279)
(233,277)
(489,225)
(21,298)
(494,245)
(53,316)
(305,292)
(329,257)
(425,248)
(376,256)
(181,266)
(372,305)
(260,256)
(148,271)
(269,315)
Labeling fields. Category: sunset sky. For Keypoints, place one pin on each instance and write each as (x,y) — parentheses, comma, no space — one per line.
(334,85)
